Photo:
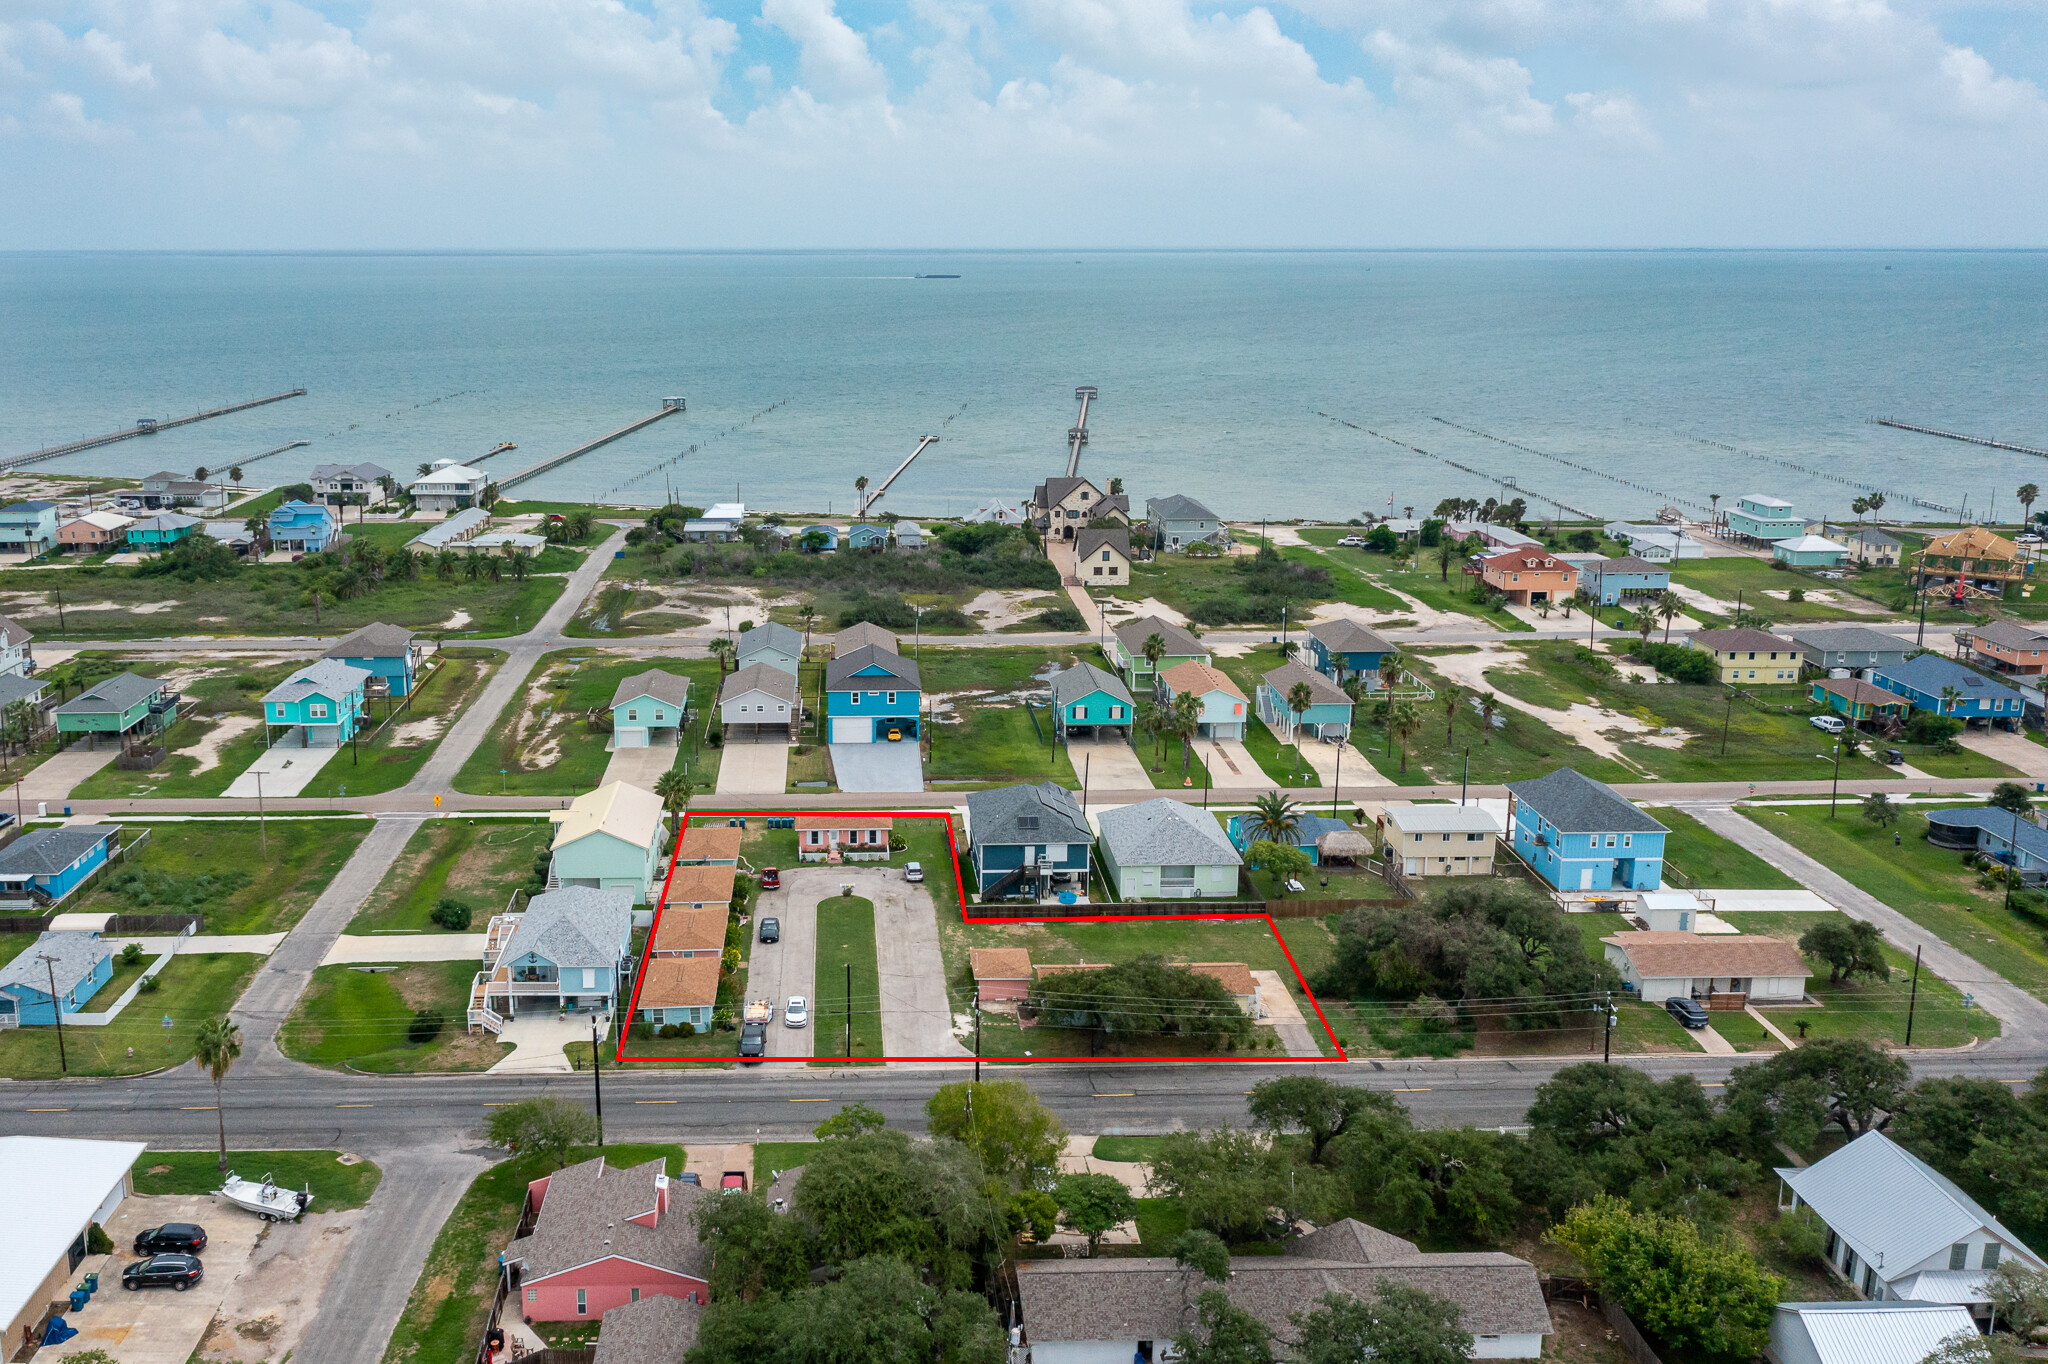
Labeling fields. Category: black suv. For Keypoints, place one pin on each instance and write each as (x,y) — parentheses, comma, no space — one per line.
(188,1237)
(158,1271)
(771,930)
(754,1041)
(1688,1012)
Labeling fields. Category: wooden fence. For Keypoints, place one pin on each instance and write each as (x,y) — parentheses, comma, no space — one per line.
(154,923)
(1118,909)
(25,923)
(1626,1333)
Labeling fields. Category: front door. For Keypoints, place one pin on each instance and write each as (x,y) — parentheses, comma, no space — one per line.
(1585,878)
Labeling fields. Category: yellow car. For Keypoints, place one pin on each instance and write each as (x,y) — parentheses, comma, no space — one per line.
(894,735)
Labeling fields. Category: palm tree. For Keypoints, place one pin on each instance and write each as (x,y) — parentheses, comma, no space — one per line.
(1274,818)
(199,474)
(809,613)
(215,1047)
(1154,650)
(1445,552)
(1299,699)
(314,596)
(1489,706)
(2028,494)
(519,561)
(235,475)
(445,563)
(259,531)
(720,648)
(1668,608)
(488,498)
(424,470)
(1645,623)
(1452,696)
(674,789)
(860,486)
(1390,670)
(1876,501)
(1951,696)
(1152,722)
(1187,722)
(1402,721)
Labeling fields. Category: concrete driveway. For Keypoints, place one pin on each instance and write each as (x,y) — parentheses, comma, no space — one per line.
(356,948)
(2014,750)
(54,777)
(878,767)
(640,766)
(537,1040)
(917,1016)
(777,970)
(1110,764)
(1232,765)
(285,771)
(753,769)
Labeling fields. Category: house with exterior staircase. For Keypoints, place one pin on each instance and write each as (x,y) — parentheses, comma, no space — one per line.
(613,838)
(567,951)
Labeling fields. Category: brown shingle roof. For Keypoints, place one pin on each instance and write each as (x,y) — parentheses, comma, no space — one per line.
(690,930)
(709,843)
(1858,692)
(1740,641)
(1000,963)
(587,1214)
(711,885)
(656,1330)
(1235,975)
(679,983)
(1664,955)
(1198,678)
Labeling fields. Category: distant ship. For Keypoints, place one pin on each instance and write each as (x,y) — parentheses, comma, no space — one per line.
(938,277)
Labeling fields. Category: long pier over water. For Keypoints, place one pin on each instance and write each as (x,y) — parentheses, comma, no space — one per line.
(669,407)
(148,426)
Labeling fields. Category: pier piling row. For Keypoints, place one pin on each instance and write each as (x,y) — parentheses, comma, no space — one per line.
(669,407)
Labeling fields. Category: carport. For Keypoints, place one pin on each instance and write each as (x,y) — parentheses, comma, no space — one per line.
(759,704)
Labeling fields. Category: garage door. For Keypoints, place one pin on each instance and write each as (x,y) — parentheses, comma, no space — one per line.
(629,738)
(856,729)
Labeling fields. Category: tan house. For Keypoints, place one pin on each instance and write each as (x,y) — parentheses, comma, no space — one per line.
(678,990)
(1746,655)
(1723,969)
(689,933)
(1000,973)
(1223,706)
(700,887)
(1527,577)
(1102,558)
(719,843)
(95,531)
(843,838)
(1441,840)
(1976,556)
(1063,507)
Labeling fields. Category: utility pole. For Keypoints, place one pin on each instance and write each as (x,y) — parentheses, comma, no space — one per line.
(1466,779)
(1913,999)
(1835,788)
(2012,868)
(597,1077)
(1726,717)
(1607,1038)
(977,1035)
(56,1010)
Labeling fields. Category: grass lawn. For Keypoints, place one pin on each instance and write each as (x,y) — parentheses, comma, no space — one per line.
(1519,747)
(1348,580)
(444,1315)
(336,1187)
(229,693)
(1929,885)
(770,1156)
(1755,579)
(13,945)
(1743,1032)
(1965,762)
(1707,859)
(1126,1149)
(358,1020)
(195,986)
(478,861)
(846,937)
(543,747)
(400,749)
(996,741)
(1428,586)
(303,856)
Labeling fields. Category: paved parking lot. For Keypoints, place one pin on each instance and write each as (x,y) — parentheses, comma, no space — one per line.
(878,767)
(777,970)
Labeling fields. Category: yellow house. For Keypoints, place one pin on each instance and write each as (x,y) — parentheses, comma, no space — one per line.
(1102,558)
(1747,655)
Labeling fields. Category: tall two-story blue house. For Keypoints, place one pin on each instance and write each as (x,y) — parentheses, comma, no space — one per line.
(1922,680)
(871,696)
(1027,841)
(45,865)
(1091,700)
(78,964)
(389,652)
(322,704)
(303,527)
(1343,648)
(569,951)
(28,527)
(1579,835)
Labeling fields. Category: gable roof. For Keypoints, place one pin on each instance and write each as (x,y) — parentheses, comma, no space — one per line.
(678,983)
(2013,634)
(367,472)
(710,883)
(840,673)
(1175,507)
(1973,543)
(1084,680)
(73,957)
(993,816)
(165,521)
(1665,954)
(1577,804)
(655,684)
(1891,1206)
(573,926)
(375,640)
(103,520)
(1739,640)
(15,687)
(13,632)
(587,1214)
(1626,563)
(1132,634)
(690,930)
(1198,678)
(2000,824)
(1343,636)
(1871,1332)
(32,505)
(1929,673)
(703,842)
(1850,638)
(761,677)
(112,695)
(1858,692)
(999,963)
(1520,560)
(617,808)
(771,635)
(1165,833)
(1054,491)
(658,1329)
(1876,538)
(1322,691)
(1086,542)
(45,852)
(847,821)
(322,677)
(861,634)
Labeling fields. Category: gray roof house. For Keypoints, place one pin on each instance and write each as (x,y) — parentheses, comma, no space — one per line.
(1126,648)
(648,703)
(759,695)
(1899,1229)
(1087,697)
(772,643)
(862,633)
(20,687)
(1855,647)
(74,959)
(1577,804)
(655,1330)
(1862,1332)
(1177,522)
(567,950)
(1024,839)
(840,672)
(1117,1309)
(1163,849)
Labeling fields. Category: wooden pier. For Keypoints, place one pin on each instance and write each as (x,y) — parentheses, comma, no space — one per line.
(1957,435)
(500,448)
(289,445)
(669,407)
(147,426)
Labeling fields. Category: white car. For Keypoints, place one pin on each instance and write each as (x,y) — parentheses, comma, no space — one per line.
(913,871)
(797,1012)
(1830,724)
(1353,541)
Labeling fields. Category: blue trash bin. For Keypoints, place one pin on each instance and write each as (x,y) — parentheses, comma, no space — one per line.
(78,1296)
(67,812)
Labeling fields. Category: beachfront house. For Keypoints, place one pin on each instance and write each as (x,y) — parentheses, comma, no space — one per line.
(1946,687)
(165,489)
(2016,647)
(648,708)
(15,658)
(612,838)
(155,534)
(124,706)
(1529,577)
(1329,708)
(1899,1230)
(1849,649)
(1063,507)
(604,1237)
(1102,558)
(1764,519)
(303,527)
(448,487)
(322,705)
(1656,543)
(73,964)
(867,535)
(1578,835)
(1126,650)
(1724,970)
(1340,649)
(772,643)
(1857,701)
(341,484)
(1027,841)
(1165,849)
(871,696)
(1810,551)
(843,838)
(1176,522)
(2016,841)
(44,866)
(1977,557)
(1747,655)
(759,697)
(1610,582)
(997,512)
(909,536)
(1440,840)
(28,528)
(1221,707)
(391,654)
(94,533)
(1090,700)
(1874,549)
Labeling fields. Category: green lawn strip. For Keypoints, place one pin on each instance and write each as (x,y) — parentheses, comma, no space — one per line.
(195,987)
(997,742)
(1518,748)
(1126,1149)
(1160,1222)
(303,856)
(231,689)
(444,1315)
(477,861)
(846,937)
(569,684)
(1965,762)
(359,1019)
(336,1187)
(1646,1028)
(391,759)
(1743,1032)
(1431,588)
(1929,885)
(770,1156)
(1756,580)
(1705,858)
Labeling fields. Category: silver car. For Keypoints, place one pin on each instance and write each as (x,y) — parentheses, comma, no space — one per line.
(797,1012)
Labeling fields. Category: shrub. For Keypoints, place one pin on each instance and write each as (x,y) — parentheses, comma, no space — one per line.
(1062,617)
(686,1029)
(153,888)
(426,1025)
(1796,594)
(1780,565)
(97,1242)
(247,683)
(1925,727)
(149,985)
(898,843)
(131,954)
(671,1030)
(1680,663)
(451,914)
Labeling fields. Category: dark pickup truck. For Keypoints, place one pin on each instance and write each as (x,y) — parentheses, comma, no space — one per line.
(754,1041)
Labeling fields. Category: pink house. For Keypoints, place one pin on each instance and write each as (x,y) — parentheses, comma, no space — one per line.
(599,1237)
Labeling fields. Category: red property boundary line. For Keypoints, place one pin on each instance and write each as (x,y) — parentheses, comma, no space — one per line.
(953,851)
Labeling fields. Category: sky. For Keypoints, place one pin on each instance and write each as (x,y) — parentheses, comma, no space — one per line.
(794,124)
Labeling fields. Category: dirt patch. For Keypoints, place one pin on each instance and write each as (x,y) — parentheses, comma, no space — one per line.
(995,609)
(1593,726)
(273,1300)
(217,737)
(1692,596)
(413,733)
(1150,606)
(456,620)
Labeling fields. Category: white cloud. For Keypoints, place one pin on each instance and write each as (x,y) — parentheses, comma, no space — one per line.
(836,62)
(62,116)
(1612,116)
(1479,96)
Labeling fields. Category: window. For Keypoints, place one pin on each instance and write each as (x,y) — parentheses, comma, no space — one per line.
(1105,556)
(634,714)
(1627,840)
(318,710)
(636,1295)
(1991,1255)
(1098,570)
(582,1302)
(1116,712)
(1610,840)
(892,698)
(533,1295)
(1959,1255)
(853,698)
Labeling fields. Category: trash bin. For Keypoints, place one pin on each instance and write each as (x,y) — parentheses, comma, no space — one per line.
(67,812)
(92,1283)
(78,1297)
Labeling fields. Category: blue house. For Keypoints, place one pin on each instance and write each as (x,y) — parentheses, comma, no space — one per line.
(45,865)
(1343,648)
(1089,699)
(567,952)
(1329,707)
(867,536)
(303,527)
(1027,840)
(828,537)
(1610,581)
(1309,829)
(28,528)
(322,705)
(871,696)
(1993,832)
(1577,834)
(1922,681)
(77,964)
(390,654)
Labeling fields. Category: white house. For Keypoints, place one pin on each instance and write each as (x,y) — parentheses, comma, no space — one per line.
(54,1189)
(1659,966)
(1441,840)
(760,695)
(1862,1332)
(337,483)
(449,487)
(1898,1230)
(15,659)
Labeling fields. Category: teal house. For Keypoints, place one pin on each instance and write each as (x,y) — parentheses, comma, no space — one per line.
(321,705)
(1329,710)
(1088,699)
(1810,551)
(391,654)
(119,706)
(826,537)
(865,536)
(648,709)
(303,527)
(159,533)
(871,696)
(1756,516)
